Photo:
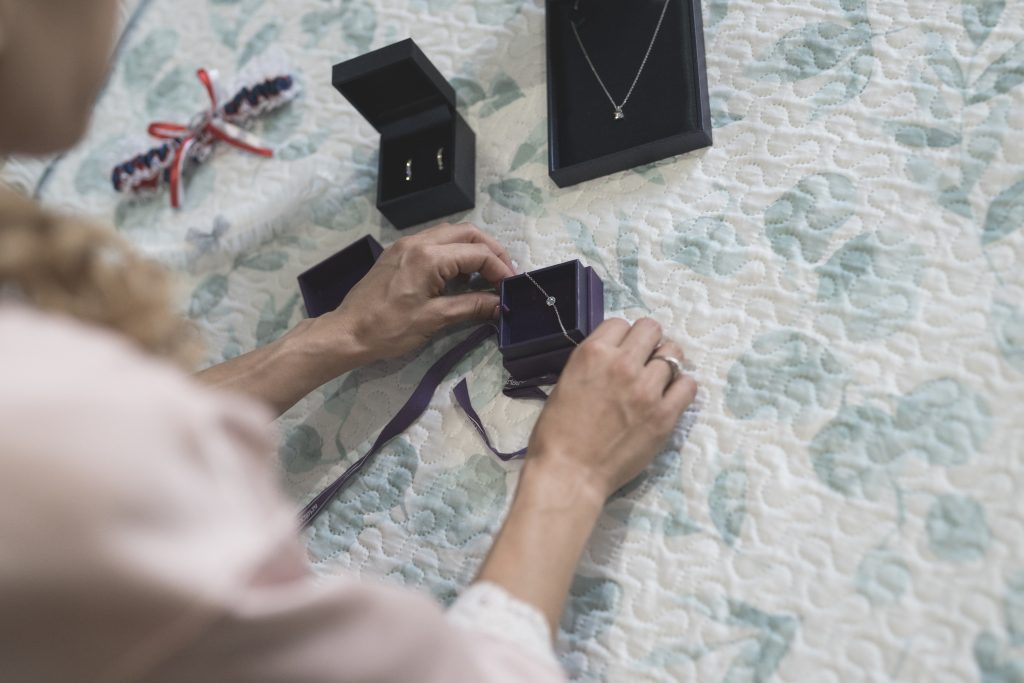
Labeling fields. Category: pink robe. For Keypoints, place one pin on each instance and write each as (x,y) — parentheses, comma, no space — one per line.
(142,537)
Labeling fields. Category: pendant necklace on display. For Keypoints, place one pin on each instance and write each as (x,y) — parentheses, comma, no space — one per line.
(552,302)
(618,113)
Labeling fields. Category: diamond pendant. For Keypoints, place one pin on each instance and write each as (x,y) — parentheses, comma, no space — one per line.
(619,114)
(550,301)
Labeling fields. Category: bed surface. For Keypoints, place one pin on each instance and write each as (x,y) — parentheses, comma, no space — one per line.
(844,268)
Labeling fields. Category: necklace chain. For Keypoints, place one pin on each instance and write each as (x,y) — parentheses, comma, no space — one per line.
(551,302)
(629,93)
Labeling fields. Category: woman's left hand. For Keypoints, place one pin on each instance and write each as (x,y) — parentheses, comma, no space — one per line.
(401,303)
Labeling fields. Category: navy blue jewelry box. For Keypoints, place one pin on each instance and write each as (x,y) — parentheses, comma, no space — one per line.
(530,339)
(668,112)
(325,285)
(427,166)
(532,343)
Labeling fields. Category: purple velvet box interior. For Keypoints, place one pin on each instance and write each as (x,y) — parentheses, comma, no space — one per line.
(530,339)
(528,326)
(326,284)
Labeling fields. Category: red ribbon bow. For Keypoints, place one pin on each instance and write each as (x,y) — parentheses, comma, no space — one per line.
(205,129)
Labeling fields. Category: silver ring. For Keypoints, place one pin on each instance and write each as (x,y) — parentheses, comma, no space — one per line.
(674,363)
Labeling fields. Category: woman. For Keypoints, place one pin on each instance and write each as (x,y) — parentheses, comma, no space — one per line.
(141,534)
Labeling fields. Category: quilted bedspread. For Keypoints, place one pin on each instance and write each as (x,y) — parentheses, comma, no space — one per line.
(844,267)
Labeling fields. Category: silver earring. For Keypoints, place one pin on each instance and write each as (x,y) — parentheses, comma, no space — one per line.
(408,170)
(440,158)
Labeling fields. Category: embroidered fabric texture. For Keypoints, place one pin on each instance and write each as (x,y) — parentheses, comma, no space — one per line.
(489,609)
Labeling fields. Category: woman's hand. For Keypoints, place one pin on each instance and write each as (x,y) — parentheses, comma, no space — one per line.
(613,407)
(401,304)
(396,308)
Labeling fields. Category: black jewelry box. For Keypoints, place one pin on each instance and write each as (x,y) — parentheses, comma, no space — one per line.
(427,151)
(326,284)
(668,112)
(531,341)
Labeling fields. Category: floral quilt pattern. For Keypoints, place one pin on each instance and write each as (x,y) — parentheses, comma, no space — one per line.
(844,266)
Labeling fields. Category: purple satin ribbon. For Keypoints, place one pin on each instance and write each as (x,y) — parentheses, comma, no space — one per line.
(418,403)
(461,392)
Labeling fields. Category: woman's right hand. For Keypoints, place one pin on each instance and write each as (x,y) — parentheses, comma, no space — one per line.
(611,411)
(613,408)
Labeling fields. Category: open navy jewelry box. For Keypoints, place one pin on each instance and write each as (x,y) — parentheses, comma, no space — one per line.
(325,285)
(403,95)
(668,112)
(530,339)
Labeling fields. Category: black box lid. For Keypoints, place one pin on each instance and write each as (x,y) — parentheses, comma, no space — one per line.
(393,83)
(325,285)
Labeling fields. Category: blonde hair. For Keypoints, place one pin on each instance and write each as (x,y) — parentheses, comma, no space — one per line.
(65,265)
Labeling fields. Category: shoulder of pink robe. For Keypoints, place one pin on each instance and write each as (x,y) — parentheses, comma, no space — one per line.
(142,537)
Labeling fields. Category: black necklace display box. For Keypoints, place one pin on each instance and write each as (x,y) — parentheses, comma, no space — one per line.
(668,112)
(427,165)
(326,284)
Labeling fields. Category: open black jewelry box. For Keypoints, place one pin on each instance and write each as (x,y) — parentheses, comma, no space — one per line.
(533,340)
(668,112)
(427,165)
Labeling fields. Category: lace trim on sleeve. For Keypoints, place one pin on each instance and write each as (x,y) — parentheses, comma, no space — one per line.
(489,609)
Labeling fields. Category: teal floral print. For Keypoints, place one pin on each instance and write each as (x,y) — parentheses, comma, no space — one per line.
(782,376)
(800,223)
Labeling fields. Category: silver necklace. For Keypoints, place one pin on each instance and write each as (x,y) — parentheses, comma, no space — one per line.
(551,302)
(618,107)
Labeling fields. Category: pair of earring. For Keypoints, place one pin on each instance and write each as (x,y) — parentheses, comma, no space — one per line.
(440,164)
